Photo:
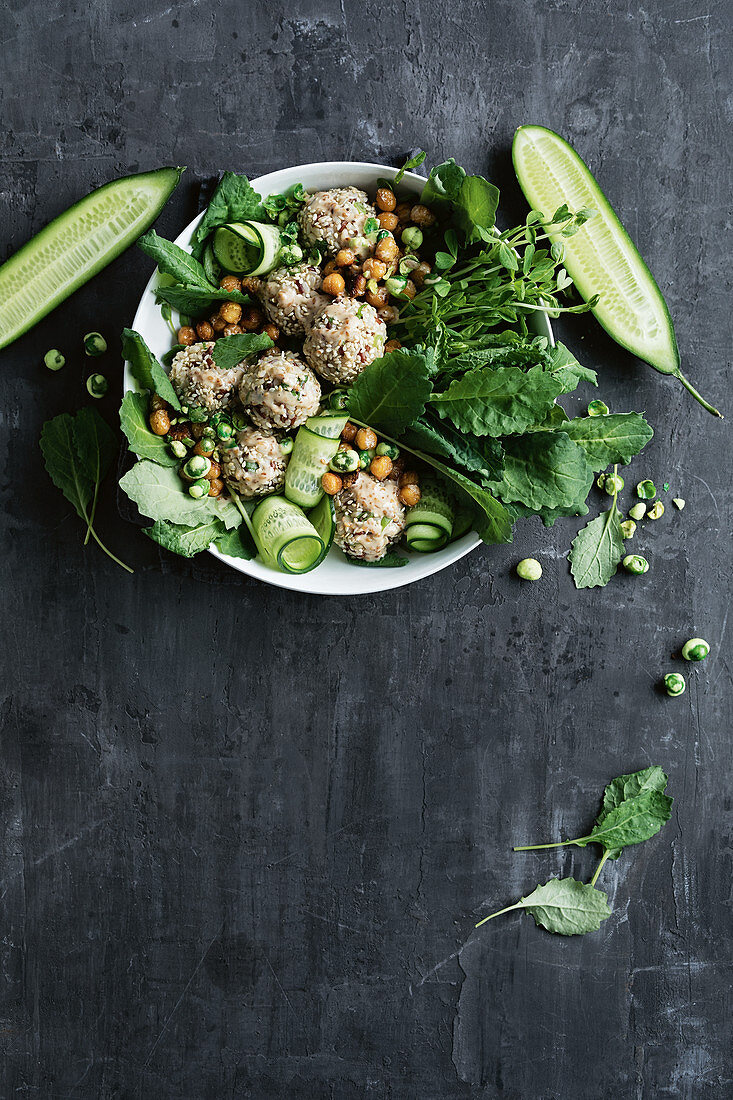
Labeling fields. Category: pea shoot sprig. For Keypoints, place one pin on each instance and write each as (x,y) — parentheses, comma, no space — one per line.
(508,278)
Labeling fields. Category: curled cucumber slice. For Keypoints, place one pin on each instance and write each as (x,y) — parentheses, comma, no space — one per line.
(429,524)
(247,248)
(285,537)
(315,445)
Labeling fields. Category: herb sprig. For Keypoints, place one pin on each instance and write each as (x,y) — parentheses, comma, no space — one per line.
(634,809)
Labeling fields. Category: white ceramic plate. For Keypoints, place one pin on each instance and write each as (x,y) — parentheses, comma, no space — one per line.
(336,575)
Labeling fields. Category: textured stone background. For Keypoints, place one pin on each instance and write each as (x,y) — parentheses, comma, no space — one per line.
(248,834)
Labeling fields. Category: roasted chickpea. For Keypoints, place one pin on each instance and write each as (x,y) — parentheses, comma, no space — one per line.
(272,331)
(349,432)
(204,331)
(230,311)
(388,221)
(409,289)
(374,269)
(392,345)
(345,257)
(388,314)
(329,268)
(386,198)
(398,468)
(380,467)
(386,249)
(180,432)
(214,472)
(422,215)
(410,477)
(334,284)
(233,330)
(252,319)
(160,422)
(402,211)
(157,402)
(217,323)
(378,297)
(204,447)
(349,479)
(420,272)
(358,287)
(410,495)
(331,483)
(216,487)
(186,335)
(366,439)
(251,284)
(231,283)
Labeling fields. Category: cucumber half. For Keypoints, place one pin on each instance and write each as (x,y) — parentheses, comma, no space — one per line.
(76,245)
(247,248)
(601,258)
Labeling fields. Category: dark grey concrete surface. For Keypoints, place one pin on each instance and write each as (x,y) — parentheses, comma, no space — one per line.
(247,834)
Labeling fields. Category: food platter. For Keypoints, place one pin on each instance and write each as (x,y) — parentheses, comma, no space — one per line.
(335,575)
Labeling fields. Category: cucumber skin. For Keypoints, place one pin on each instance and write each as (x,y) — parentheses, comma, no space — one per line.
(272,519)
(308,463)
(123,244)
(671,366)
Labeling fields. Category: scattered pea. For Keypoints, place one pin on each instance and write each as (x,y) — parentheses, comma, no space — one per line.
(696,649)
(97,385)
(94,344)
(656,511)
(637,511)
(396,284)
(286,445)
(529,569)
(628,528)
(291,254)
(597,408)
(646,490)
(365,459)
(178,448)
(679,503)
(338,400)
(53,359)
(613,483)
(634,563)
(674,684)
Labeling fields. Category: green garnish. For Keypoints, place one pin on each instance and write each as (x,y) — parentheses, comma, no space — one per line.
(54,360)
(674,684)
(696,649)
(97,385)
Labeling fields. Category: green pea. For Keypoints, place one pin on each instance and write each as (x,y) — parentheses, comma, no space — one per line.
(197,415)
(529,569)
(656,511)
(199,489)
(178,448)
(634,563)
(679,503)
(597,408)
(291,254)
(637,511)
(97,385)
(197,467)
(345,462)
(674,684)
(613,484)
(224,430)
(94,344)
(365,458)
(396,284)
(338,400)
(53,359)
(696,649)
(646,490)
(628,529)
(389,450)
(286,445)
(412,237)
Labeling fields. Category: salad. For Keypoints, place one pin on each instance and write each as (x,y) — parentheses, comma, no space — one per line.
(357,369)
